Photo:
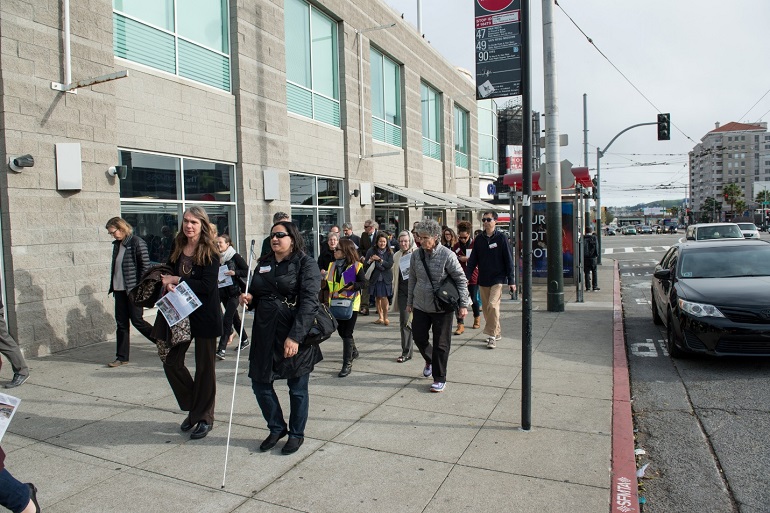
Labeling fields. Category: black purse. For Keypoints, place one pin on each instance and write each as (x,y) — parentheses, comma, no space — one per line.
(446,297)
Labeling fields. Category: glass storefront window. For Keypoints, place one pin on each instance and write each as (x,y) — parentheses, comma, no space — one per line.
(158,12)
(324,54)
(436,215)
(390,220)
(153,177)
(316,207)
(149,176)
(206,181)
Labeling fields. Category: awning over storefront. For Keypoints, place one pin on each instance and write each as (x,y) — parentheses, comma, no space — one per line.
(413,197)
(451,198)
(480,204)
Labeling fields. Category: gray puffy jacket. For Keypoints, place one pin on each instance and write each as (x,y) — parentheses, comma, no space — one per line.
(441,262)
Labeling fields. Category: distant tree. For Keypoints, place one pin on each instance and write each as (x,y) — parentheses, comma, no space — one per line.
(763,196)
(609,216)
(674,211)
(732,193)
(710,210)
(740,206)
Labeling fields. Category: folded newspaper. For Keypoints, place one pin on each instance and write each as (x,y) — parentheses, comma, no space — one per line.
(178,304)
(8,406)
(224,280)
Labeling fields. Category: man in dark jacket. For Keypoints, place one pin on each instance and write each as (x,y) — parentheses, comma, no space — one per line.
(590,259)
(492,255)
(367,241)
(347,233)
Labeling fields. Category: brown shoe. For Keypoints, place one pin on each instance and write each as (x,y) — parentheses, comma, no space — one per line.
(460,329)
(117,363)
(476,323)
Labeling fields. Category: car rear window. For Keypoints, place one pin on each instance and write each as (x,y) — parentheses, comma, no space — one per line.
(728,231)
(725,262)
(747,226)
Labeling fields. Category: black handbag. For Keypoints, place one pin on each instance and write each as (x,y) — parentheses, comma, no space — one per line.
(446,297)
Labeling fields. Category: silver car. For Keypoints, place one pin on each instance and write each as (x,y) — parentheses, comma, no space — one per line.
(749,230)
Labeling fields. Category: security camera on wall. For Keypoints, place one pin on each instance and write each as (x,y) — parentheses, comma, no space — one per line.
(17,164)
(120,171)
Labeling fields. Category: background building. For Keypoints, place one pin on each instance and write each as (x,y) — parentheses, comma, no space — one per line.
(333,111)
(736,153)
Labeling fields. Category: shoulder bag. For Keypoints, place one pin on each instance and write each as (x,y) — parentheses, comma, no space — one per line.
(324,324)
(446,297)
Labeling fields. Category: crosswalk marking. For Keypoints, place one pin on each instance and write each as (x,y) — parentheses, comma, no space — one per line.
(635,249)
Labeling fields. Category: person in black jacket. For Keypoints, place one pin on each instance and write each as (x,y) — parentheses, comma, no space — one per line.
(278,216)
(590,259)
(228,295)
(129,261)
(492,255)
(347,233)
(284,293)
(195,261)
(381,278)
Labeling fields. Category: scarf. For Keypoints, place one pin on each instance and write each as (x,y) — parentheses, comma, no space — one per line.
(227,255)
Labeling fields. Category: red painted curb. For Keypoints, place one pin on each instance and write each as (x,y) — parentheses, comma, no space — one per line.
(624,485)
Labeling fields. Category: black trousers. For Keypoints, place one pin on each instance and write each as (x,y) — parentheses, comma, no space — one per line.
(230,320)
(194,395)
(125,311)
(589,270)
(438,353)
(345,328)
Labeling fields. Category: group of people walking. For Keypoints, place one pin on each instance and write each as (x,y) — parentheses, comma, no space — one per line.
(285,292)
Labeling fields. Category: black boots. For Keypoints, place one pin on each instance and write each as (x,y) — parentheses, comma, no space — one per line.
(349,353)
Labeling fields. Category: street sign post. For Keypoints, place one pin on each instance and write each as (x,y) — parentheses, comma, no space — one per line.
(498,48)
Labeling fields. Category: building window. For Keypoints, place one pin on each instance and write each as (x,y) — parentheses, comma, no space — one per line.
(188,38)
(461,134)
(386,99)
(312,70)
(487,114)
(159,188)
(316,206)
(431,121)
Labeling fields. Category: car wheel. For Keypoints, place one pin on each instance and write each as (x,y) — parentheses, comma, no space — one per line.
(673,349)
(655,315)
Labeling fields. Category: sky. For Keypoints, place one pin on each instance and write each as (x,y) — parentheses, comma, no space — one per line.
(703,61)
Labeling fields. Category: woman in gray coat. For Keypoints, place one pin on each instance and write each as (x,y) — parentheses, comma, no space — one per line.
(440,261)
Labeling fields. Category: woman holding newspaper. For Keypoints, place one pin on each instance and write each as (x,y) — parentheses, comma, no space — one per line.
(195,260)
(284,294)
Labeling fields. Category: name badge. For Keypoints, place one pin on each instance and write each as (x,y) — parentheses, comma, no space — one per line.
(493,245)
(264,269)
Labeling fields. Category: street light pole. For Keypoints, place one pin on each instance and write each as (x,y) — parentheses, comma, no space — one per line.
(599,154)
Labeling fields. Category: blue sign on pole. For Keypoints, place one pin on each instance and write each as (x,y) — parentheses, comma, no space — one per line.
(491,189)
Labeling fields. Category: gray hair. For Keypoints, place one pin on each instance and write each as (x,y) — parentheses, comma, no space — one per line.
(406,233)
(280,216)
(347,226)
(429,227)
(333,235)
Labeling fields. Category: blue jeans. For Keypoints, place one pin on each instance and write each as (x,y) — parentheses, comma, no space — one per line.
(14,494)
(299,402)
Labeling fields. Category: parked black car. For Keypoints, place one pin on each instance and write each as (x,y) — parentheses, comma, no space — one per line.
(714,297)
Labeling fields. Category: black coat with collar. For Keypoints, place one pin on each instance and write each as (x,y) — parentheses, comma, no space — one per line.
(366,242)
(206,321)
(136,260)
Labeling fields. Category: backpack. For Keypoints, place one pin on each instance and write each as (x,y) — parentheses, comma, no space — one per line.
(591,246)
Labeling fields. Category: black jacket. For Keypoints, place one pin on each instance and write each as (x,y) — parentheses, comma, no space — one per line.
(241,268)
(295,279)
(492,255)
(206,321)
(366,242)
(136,261)
(381,268)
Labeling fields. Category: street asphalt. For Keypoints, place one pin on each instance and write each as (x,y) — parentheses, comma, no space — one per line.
(94,438)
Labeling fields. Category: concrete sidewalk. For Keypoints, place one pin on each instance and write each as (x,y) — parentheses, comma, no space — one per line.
(102,439)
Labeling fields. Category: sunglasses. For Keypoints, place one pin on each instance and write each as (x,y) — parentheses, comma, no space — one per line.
(486,219)
(463,238)
(280,235)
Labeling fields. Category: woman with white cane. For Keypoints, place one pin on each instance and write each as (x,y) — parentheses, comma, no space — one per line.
(284,293)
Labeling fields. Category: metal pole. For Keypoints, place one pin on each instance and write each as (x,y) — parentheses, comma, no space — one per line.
(67,54)
(526,232)
(514,235)
(579,231)
(598,227)
(419,17)
(553,203)
(585,130)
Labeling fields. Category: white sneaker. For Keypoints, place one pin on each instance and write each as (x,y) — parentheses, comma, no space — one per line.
(498,337)
(491,343)
(437,386)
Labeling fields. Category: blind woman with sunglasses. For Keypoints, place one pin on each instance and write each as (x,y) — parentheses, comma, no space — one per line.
(284,294)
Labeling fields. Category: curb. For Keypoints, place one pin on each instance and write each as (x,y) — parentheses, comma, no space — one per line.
(624,489)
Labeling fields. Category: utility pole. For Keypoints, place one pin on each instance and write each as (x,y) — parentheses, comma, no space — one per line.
(553,212)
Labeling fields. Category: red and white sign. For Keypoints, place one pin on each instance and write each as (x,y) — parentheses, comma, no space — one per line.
(494,5)
(514,161)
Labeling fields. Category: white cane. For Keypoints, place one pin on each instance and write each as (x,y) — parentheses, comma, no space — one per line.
(237,361)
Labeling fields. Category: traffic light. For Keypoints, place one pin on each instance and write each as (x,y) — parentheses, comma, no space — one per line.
(664,127)
(726,196)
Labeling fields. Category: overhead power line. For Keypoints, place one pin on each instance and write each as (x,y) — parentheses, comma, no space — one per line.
(755,104)
(591,41)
